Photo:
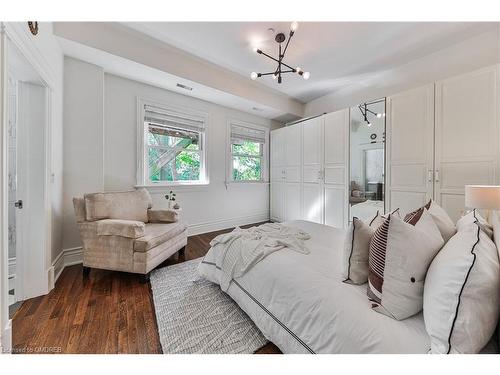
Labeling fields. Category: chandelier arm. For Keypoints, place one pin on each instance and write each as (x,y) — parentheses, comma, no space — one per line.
(272,58)
(287,42)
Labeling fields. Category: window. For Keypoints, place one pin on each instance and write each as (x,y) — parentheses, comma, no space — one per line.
(174,151)
(248,154)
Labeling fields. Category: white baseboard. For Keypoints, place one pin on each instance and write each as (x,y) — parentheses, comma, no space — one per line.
(67,257)
(6,338)
(72,256)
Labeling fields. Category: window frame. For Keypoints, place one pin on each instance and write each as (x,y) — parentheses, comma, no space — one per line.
(143,177)
(264,156)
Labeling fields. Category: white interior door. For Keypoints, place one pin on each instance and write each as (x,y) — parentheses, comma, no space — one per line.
(336,156)
(410,149)
(293,172)
(31,162)
(466,136)
(312,159)
(277,194)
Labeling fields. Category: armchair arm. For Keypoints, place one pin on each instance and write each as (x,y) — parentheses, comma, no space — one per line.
(122,228)
(162,216)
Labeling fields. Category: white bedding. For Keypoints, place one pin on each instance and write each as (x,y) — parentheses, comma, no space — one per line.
(300,303)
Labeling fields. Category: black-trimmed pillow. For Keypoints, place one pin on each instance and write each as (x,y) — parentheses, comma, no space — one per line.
(443,221)
(400,253)
(462,292)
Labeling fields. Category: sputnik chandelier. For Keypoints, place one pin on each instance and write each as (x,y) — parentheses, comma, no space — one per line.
(282,67)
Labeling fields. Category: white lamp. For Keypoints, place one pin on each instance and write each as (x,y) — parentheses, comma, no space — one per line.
(485,197)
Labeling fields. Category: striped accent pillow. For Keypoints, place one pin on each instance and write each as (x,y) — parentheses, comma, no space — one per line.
(376,261)
(400,253)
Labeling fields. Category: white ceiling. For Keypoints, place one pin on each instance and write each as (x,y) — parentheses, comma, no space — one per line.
(337,54)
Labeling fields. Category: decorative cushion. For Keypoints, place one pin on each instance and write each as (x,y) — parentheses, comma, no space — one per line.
(127,205)
(79,206)
(461,293)
(441,218)
(400,254)
(355,255)
(379,219)
(122,228)
(475,217)
(162,216)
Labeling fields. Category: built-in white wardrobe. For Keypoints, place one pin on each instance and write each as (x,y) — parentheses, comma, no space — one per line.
(441,137)
(309,170)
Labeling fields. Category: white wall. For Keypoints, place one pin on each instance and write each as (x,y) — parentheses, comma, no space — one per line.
(100,151)
(470,54)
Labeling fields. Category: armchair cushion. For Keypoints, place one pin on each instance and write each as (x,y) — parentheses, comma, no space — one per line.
(156,234)
(126,205)
(162,216)
(122,228)
(79,205)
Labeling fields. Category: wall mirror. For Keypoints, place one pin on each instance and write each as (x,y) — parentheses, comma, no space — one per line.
(367,159)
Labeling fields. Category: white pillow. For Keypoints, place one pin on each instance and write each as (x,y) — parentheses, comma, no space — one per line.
(475,217)
(462,293)
(400,254)
(442,220)
(355,255)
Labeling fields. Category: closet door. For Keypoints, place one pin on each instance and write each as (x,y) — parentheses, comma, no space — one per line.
(410,149)
(466,136)
(312,151)
(277,191)
(336,154)
(293,159)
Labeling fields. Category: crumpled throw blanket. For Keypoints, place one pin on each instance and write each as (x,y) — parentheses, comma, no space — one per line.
(241,249)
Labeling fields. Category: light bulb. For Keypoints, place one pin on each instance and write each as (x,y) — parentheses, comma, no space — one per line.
(298,69)
(383,114)
(275,76)
(253,76)
(294,26)
(255,49)
(369,124)
(379,115)
(306,75)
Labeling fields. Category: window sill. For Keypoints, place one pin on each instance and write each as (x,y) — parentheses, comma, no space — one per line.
(173,186)
(243,183)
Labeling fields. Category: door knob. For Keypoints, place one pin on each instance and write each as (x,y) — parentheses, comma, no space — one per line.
(18,204)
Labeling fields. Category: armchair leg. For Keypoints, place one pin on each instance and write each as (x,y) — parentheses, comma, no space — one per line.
(182,252)
(86,271)
(145,278)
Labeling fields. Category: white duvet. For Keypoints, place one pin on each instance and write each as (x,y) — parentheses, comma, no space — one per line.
(300,303)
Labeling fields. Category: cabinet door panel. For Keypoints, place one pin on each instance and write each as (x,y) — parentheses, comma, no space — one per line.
(292,202)
(293,145)
(466,136)
(277,201)
(312,203)
(410,148)
(335,206)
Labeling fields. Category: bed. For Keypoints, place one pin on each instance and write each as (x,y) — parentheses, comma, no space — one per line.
(308,309)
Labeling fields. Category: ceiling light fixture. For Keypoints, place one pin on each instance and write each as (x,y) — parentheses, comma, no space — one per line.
(282,67)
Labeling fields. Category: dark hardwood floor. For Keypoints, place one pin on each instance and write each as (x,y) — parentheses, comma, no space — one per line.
(108,312)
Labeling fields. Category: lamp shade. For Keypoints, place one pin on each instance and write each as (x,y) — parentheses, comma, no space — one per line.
(482,196)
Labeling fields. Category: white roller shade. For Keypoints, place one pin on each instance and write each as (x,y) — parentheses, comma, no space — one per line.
(241,133)
(160,116)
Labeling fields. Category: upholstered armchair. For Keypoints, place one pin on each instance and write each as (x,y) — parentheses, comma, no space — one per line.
(121,232)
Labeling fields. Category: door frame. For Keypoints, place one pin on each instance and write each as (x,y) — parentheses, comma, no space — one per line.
(16,34)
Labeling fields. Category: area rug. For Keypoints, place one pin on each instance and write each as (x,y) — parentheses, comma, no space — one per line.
(195,316)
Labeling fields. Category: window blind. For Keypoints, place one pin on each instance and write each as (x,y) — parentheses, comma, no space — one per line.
(241,133)
(160,116)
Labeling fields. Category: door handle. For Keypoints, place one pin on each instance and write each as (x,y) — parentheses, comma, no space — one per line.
(19,204)
(437,175)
